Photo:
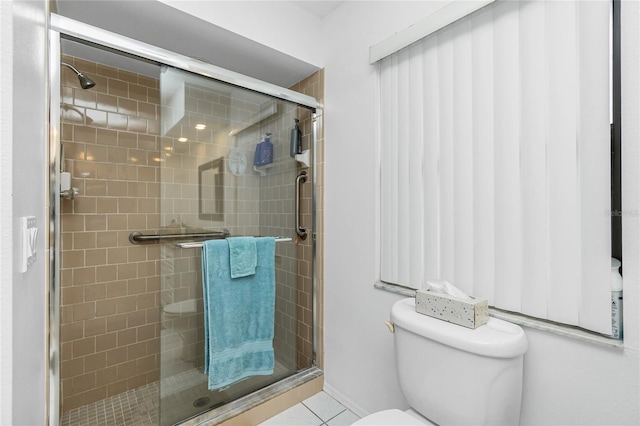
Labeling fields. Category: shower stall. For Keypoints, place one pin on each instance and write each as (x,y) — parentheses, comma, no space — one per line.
(151,154)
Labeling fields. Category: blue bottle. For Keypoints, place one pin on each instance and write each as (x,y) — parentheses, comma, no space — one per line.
(264,152)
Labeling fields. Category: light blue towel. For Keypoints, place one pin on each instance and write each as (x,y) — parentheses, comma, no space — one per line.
(242,256)
(238,314)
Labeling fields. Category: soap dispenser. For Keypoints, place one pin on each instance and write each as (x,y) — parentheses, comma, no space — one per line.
(296,140)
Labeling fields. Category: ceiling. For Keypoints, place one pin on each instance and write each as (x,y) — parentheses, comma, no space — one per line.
(318,8)
(161,25)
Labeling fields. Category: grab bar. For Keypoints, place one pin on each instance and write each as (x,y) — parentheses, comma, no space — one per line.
(198,244)
(301,231)
(137,237)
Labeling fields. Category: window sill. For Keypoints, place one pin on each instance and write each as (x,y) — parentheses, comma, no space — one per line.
(525,321)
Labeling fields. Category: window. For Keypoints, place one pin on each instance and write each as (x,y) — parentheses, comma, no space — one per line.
(496,163)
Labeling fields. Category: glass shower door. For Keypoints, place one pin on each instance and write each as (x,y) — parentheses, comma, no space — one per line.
(215,180)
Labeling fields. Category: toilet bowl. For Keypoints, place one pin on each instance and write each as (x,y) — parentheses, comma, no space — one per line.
(452,375)
(175,319)
(175,311)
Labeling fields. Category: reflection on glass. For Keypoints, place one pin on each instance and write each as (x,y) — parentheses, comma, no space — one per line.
(211,190)
(209,182)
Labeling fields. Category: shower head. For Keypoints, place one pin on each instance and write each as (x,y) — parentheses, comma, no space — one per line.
(85,82)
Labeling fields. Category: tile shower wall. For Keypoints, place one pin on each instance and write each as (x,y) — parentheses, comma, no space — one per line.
(312,86)
(110,289)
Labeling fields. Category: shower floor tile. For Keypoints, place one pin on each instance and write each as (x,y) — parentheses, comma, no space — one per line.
(141,406)
(137,407)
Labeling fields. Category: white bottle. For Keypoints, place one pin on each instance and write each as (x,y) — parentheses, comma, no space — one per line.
(616,299)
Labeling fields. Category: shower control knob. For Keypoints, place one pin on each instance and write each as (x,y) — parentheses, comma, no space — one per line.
(69,194)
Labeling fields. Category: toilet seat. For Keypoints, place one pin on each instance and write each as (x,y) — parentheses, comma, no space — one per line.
(393,417)
(178,308)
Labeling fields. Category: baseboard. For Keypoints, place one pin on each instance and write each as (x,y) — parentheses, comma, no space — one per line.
(346,401)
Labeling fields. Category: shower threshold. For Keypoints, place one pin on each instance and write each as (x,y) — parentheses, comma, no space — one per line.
(254,399)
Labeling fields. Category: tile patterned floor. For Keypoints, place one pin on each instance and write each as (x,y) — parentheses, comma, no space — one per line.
(319,410)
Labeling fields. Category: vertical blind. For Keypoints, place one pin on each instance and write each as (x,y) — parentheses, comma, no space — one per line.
(495,160)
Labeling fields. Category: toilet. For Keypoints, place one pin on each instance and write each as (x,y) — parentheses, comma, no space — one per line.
(175,318)
(452,375)
(177,310)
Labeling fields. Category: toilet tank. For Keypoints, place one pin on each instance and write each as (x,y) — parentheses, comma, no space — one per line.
(454,375)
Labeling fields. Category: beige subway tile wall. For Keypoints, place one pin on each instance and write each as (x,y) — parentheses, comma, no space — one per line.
(110,325)
(312,86)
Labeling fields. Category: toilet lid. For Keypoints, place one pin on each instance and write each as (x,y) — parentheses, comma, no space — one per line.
(185,307)
(392,417)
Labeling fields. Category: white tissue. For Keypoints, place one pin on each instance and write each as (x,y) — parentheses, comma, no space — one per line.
(445,287)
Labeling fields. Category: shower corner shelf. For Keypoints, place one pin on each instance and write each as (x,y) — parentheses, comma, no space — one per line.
(262,170)
(304,158)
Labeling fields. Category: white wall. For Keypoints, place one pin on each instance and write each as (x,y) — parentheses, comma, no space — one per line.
(359,364)
(23,296)
(195,33)
(566,381)
(6,231)
(280,25)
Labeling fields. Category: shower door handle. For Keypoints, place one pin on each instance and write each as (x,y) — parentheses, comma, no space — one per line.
(300,230)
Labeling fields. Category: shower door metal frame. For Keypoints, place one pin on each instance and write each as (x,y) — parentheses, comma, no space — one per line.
(54,151)
(104,38)
(59,27)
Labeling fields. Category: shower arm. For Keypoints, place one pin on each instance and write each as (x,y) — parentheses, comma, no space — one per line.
(85,82)
(68,65)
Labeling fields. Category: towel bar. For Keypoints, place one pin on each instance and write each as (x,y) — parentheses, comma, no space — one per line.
(137,237)
(198,244)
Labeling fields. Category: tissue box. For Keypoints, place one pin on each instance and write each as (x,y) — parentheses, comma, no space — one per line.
(467,313)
